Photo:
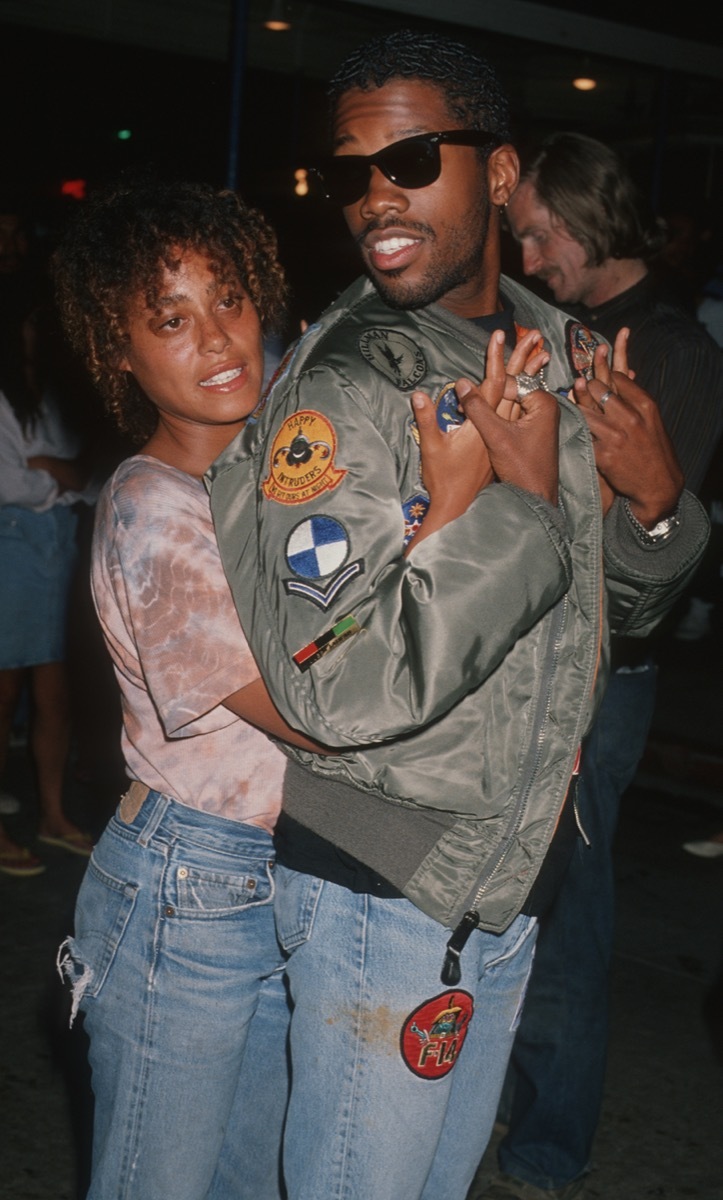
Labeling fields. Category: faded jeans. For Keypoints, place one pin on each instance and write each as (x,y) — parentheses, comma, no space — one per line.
(395,1078)
(177,971)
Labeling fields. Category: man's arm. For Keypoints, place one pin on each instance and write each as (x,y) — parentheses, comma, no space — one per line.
(355,642)
(642,486)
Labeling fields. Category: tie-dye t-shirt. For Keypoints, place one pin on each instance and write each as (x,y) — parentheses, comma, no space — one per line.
(177,646)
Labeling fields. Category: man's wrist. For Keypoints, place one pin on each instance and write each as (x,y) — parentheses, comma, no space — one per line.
(661,529)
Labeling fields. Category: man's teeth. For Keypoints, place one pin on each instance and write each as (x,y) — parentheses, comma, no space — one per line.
(222,377)
(391,245)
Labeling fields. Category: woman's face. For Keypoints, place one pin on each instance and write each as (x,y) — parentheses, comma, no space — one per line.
(197,354)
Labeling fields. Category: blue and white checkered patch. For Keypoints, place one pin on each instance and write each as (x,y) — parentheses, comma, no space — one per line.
(317,547)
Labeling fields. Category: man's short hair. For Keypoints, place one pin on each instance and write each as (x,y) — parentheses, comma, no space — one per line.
(473,92)
(587,187)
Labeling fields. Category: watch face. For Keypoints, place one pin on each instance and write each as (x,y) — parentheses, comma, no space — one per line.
(658,533)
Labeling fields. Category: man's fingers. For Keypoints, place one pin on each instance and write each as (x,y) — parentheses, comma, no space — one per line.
(527,346)
(495,369)
(474,404)
(425,414)
(620,351)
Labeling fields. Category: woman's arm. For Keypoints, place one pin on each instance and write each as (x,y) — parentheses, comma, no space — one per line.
(254,705)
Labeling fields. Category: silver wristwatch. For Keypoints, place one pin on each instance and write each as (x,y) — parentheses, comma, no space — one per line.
(660,532)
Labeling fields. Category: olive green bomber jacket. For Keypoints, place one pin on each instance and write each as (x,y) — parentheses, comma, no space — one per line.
(459,680)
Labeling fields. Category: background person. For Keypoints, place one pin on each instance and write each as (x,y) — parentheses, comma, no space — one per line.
(45,475)
(583,230)
(413,871)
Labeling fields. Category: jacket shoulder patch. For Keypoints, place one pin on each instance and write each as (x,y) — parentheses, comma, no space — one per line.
(395,355)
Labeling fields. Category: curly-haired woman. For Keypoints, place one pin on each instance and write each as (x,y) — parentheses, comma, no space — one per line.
(165,290)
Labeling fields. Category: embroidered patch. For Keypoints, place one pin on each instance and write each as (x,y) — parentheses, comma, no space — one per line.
(343,629)
(433,1035)
(449,412)
(316,548)
(395,355)
(302,459)
(414,512)
(581,345)
(324,597)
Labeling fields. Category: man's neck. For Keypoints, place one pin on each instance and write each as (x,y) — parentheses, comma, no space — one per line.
(615,276)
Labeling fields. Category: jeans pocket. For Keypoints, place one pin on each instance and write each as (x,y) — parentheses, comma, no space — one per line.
(202,890)
(102,913)
(297,897)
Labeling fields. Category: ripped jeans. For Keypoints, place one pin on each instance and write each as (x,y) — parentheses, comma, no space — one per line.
(176,968)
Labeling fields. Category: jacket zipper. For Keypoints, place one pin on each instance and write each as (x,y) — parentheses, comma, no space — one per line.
(451,968)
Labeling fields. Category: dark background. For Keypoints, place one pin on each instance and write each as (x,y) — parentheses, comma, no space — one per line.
(208,93)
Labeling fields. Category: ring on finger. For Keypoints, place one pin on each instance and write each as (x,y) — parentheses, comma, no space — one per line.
(604,399)
(528,383)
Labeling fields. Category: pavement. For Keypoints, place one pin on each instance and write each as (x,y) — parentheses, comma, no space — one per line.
(661,1132)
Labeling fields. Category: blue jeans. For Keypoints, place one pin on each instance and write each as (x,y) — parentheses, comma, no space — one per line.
(395,1081)
(557,1069)
(177,970)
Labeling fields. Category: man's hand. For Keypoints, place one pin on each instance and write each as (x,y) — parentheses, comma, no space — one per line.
(523,451)
(633,452)
(455,462)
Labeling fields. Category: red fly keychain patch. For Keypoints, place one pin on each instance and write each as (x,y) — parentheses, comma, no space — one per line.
(302,459)
(433,1035)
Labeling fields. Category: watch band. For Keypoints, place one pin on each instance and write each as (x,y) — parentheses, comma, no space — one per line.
(660,532)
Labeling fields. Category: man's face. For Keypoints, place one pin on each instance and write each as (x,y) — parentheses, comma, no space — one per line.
(548,250)
(427,244)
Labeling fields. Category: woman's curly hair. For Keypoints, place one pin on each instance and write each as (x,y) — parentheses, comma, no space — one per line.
(115,250)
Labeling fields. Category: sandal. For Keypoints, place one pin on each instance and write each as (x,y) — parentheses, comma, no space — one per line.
(17,860)
(76,843)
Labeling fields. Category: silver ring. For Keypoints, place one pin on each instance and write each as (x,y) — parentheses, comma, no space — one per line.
(604,399)
(528,383)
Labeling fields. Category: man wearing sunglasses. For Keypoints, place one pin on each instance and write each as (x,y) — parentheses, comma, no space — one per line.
(458,678)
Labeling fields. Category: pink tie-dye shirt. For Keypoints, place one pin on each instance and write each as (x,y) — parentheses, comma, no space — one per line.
(177,646)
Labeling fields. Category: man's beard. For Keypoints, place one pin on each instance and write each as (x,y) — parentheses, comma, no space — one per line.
(459,266)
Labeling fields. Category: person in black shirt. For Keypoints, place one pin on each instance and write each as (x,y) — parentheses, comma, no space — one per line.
(582,230)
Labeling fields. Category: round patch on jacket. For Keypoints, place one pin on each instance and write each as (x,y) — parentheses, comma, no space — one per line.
(449,412)
(433,1035)
(317,547)
(395,355)
(301,464)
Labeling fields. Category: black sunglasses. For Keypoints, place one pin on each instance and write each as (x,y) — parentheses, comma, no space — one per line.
(414,162)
